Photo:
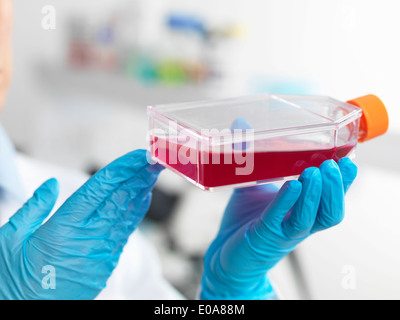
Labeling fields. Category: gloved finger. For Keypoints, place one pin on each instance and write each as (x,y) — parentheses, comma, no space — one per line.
(37,208)
(101,239)
(331,209)
(125,206)
(103,184)
(304,213)
(140,206)
(349,172)
(122,230)
(112,222)
(241,125)
(108,239)
(279,207)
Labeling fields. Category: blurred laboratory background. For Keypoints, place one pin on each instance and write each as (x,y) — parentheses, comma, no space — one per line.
(80,91)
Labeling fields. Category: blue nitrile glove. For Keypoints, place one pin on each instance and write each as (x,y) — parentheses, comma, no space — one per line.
(72,255)
(261,226)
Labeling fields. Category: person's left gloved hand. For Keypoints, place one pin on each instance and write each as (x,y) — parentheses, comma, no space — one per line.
(261,226)
(72,255)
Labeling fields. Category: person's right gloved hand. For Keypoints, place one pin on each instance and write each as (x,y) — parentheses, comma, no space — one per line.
(81,243)
(262,225)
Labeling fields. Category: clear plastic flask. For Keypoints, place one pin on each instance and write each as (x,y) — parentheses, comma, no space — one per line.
(239,142)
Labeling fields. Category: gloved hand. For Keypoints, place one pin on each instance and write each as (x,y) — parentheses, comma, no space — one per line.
(261,226)
(81,243)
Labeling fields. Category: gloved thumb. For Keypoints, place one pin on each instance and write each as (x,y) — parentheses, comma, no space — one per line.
(36,209)
(241,125)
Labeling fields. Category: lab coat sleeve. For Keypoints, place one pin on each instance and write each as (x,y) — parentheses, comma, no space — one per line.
(138,275)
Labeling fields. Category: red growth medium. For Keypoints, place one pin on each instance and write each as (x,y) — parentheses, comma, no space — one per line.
(211,169)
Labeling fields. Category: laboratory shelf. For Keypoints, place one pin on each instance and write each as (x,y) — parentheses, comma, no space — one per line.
(63,79)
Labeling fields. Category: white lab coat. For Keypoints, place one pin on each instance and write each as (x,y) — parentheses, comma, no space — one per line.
(138,274)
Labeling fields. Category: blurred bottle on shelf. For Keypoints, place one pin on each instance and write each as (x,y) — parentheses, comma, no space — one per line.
(106,52)
(80,54)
